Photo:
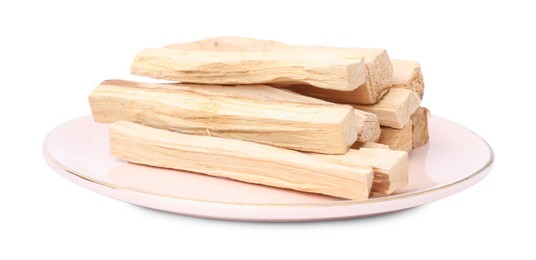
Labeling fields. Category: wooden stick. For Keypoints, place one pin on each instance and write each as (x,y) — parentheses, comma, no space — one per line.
(407,75)
(395,108)
(420,127)
(367,125)
(322,69)
(379,75)
(390,166)
(239,160)
(378,66)
(322,128)
(398,139)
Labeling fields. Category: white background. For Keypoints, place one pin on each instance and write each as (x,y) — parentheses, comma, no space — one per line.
(479,65)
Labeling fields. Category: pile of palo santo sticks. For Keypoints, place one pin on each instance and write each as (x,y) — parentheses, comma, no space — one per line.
(333,121)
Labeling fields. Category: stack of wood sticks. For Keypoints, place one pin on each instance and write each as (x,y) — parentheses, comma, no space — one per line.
(326,120)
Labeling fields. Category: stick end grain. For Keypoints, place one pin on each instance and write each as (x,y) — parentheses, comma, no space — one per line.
(408,75)
(411,104)
(420,127)
(379,71)
(380,74)
(368,126)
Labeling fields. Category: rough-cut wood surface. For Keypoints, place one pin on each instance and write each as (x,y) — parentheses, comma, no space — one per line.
(322,128)
(319,68)
(390,166)
(407,75)
(420,127)
(368,128)
(395,108)
(379,75)
(378,66)
(239,160)
(398,139)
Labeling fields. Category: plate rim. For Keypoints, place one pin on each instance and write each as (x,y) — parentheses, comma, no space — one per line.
(390,198)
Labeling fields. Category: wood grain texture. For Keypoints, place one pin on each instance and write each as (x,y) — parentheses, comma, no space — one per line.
(322,128)
(319,68)
(239,160)
(379,70)
(390,166)
(395,108)
(368,128)
(379,75)
(420,127)
(398,139)
(407,75)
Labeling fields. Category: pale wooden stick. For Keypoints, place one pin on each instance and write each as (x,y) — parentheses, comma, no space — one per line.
(322,128)
(390,166)
(379,75)
(420,127)
(398,139)
(378,65)
(322,69)
(239,160)
(407,75)
(395,108)
(368,128)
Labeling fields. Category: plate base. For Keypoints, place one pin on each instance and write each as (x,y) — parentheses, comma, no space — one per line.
(454,159)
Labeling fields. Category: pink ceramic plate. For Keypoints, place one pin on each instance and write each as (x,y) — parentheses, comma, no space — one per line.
(455,159)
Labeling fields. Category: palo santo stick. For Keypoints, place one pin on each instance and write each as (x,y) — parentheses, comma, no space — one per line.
(322,69)
(379,74)
(367,125)
(322,128)
(395,108)
(378,66)
(390,166)
(239,160)
(420,127)
(407,75)
(398,139)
